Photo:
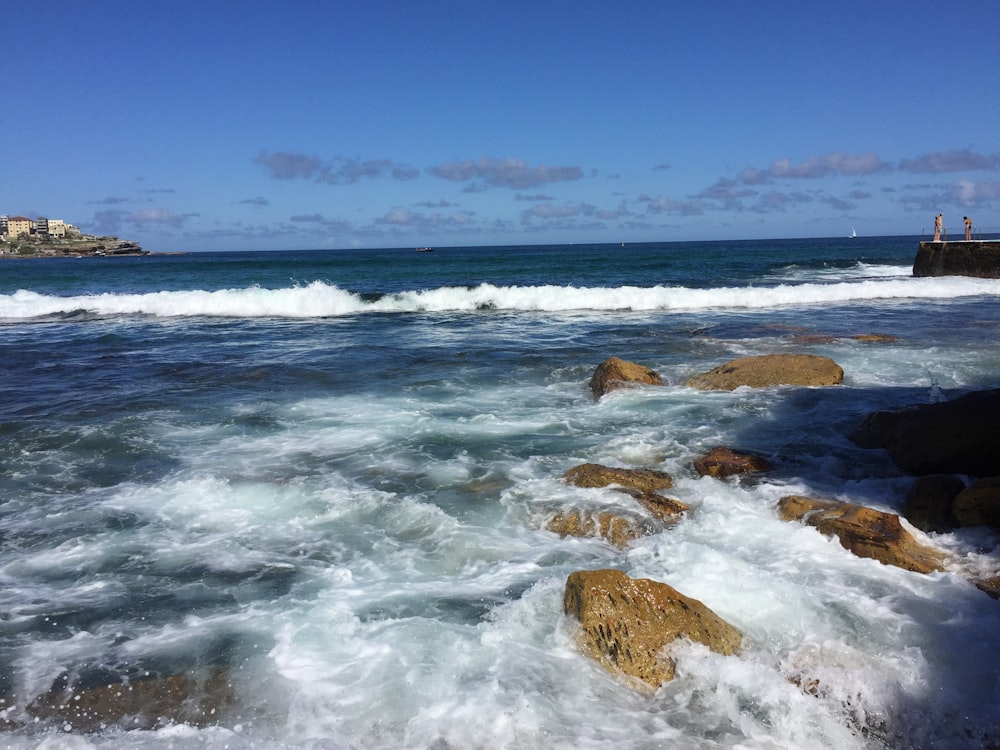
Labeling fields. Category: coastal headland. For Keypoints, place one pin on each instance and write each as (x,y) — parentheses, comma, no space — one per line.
(980,258)
(81,247)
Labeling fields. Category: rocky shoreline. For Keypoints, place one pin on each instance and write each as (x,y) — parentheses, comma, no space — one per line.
(942,445)
(82,248)
(951,448)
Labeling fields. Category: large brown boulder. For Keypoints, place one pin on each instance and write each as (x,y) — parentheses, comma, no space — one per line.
(596,475)
(978,504)
(626,623)
(770,370)
(960,436)
(614,373)
(864,531)
(723,462)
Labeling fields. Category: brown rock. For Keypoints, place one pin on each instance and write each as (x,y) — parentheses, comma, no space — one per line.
(875,337)
(864,531)
(959,436)
(989,586)
(978,504)
(928,504)
(770,370)
(724,462)
(627,622)
(139,704)
(595,475)
(614,528)
(665,509)
(614,373)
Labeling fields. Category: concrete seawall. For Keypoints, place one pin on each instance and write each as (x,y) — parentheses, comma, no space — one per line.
(965,258)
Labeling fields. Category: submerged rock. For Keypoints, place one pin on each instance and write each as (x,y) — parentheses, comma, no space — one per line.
(626,623)
(614,373)
(619,528)
(864,531)
(770,370)
(613,527)
(723,462)
(959,436)
(871,338)
(144,703)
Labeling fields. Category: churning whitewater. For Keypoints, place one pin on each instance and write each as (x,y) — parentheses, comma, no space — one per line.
(304,495)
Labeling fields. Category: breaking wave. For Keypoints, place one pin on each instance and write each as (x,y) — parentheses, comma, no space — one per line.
(322,300)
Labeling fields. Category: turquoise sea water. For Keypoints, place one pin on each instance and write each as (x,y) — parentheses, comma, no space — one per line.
(325,475)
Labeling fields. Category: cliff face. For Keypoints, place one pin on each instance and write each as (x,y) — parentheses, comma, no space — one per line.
(974,258)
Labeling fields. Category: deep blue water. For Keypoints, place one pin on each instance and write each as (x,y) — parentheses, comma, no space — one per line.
(373,271)
(326,473)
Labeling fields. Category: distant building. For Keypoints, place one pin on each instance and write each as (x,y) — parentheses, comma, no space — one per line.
(52,228)
(12,227)
(18,226)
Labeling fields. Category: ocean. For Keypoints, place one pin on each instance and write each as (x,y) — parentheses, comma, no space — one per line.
(308,491)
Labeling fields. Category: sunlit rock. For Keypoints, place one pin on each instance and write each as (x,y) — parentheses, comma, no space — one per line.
(665,509)
(864,531)
(770,370)
(723,462)
(614,373)
(626,623)
(596,475)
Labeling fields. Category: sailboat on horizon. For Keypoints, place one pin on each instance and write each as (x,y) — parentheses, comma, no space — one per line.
(853,234)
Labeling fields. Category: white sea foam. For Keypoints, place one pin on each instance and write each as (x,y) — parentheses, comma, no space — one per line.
(319,299)
(373,561)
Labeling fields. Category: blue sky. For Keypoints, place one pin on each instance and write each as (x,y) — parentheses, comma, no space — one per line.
(253,125)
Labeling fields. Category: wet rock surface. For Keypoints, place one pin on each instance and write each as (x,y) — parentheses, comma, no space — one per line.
(614,373)
(864,531)
(770,370)
(721,462)
(626,623)
(958,436)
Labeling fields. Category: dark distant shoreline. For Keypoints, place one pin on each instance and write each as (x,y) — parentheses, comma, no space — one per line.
(81,247)
(71,256)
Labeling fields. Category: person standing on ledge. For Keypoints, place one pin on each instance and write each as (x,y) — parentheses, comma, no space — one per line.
(938,221)
(968,227)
